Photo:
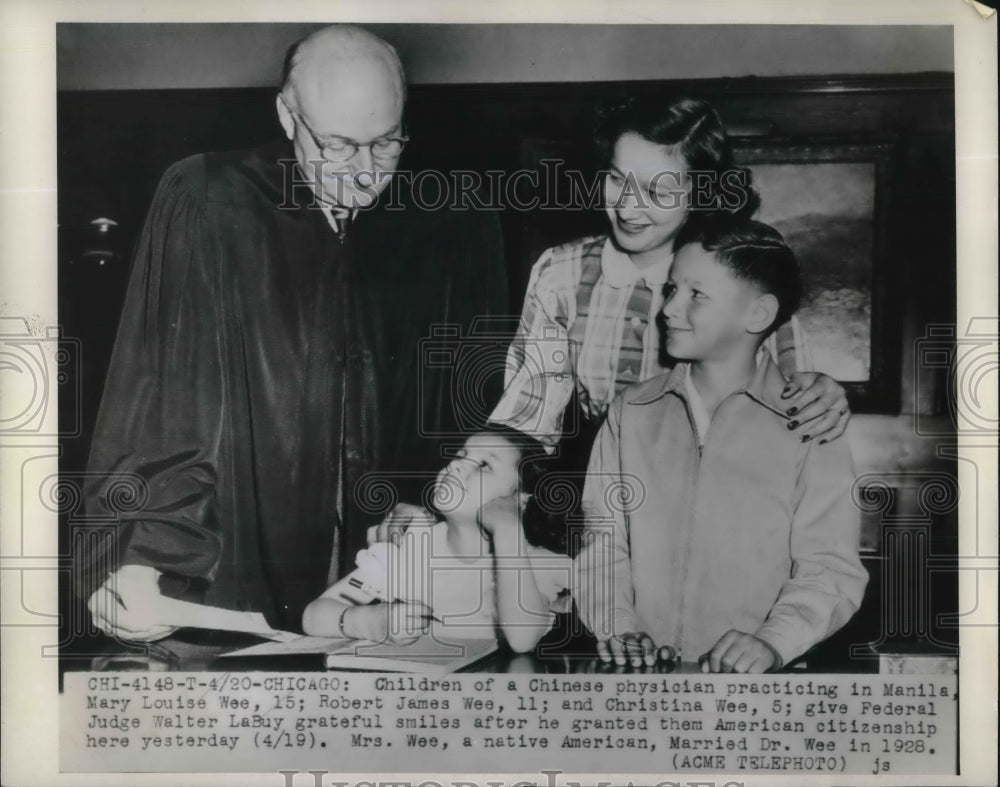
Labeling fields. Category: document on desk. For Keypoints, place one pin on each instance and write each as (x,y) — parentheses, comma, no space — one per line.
(291,647)
(428,653)
(186,614)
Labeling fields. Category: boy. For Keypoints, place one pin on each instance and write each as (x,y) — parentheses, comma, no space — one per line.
(738,542)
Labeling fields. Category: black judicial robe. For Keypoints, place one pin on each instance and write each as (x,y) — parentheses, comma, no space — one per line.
(263,370)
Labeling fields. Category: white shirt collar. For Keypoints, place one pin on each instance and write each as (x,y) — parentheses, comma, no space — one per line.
(336,214)
(620,271)
(699,413)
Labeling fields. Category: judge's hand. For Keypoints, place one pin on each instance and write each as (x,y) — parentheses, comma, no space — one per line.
(402,516)
(737,651)
(636,648)
(399,622)
(124,607)
(816,406)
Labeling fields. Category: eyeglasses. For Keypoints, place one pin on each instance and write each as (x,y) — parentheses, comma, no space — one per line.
(337,150)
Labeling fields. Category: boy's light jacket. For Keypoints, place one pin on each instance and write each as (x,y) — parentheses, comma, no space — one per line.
(756,531)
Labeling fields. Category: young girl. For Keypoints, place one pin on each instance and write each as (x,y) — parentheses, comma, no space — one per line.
(469,573)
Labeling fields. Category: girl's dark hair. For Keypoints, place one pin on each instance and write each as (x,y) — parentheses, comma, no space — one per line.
(542,528)
(694,128)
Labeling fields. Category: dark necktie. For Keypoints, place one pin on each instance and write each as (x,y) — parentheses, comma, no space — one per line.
(343,218)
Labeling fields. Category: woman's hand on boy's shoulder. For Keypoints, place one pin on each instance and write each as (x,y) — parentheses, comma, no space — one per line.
(737,651)
(400,519)
(816,406)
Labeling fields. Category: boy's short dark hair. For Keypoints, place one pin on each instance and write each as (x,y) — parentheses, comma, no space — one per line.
(753,251)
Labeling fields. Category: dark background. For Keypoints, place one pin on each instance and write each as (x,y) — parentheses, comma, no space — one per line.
(113,145)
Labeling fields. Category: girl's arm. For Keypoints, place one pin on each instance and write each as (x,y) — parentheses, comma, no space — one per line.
(397,622)
(325,617)
(522,609)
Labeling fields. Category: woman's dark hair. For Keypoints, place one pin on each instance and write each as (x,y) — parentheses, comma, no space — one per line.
(542,528)
(695,130)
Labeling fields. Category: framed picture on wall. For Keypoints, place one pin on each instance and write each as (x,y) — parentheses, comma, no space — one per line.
(830,199)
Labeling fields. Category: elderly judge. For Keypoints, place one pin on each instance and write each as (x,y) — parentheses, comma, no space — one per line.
(268,354)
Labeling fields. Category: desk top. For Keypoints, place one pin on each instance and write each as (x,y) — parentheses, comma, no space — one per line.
(562,651)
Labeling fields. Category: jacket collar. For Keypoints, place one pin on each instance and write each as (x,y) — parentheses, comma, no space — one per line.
(765,388)
(619,270)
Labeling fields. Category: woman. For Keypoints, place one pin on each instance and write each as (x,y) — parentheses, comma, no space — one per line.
(587,322)
(587,325)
